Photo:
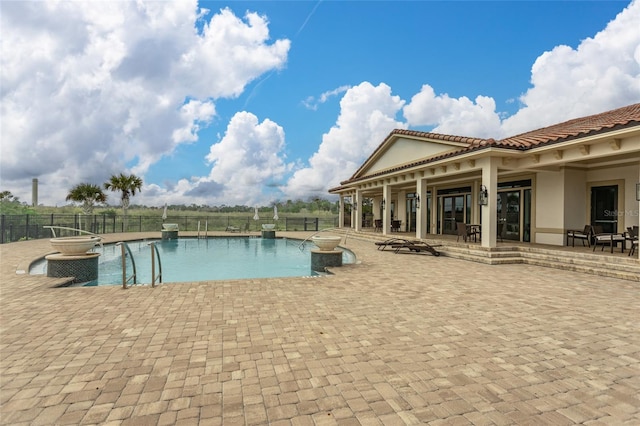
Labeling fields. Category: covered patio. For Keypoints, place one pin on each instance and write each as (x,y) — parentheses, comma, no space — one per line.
(524,190)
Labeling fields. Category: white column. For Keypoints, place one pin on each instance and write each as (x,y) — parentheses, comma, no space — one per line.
(489,211)
(341,212)
(375,206)
(386,212)
(401,210)
(357,207)
(421,211)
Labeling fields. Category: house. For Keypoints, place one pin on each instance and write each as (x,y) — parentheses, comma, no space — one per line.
(533,186)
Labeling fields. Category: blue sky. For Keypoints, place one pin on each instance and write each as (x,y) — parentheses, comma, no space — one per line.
(211,105)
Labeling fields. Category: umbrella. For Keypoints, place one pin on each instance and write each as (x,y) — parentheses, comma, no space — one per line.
(275,212)
(255,216)
(164,214)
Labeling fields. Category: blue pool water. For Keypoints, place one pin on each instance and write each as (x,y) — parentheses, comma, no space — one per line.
(192,259)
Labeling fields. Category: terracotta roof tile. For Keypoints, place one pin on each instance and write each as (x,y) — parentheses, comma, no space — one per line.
(576,128)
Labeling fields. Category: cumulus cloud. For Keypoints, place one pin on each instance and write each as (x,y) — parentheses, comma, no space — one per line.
(602,73)
(90,89)
(367,115)
(453,116)
(249,157)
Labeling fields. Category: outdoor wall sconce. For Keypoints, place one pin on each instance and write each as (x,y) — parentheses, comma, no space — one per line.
(638,191)
(417,201)
(383,203)
(355,205)
(483,196)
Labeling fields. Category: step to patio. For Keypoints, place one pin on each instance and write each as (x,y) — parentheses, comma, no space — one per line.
(594,263)
(606,266)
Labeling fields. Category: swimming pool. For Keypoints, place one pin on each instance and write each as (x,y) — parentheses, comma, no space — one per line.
(198,259)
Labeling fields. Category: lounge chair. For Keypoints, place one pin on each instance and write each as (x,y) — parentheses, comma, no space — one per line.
(232,229)
(416,247)
(390,242)
(584,235)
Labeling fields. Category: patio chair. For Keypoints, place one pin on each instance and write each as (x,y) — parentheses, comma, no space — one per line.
(607,239)
(416,247)
(500,231)
(632,236)
(395,225)
(464,232)
(377,225)
(584,235)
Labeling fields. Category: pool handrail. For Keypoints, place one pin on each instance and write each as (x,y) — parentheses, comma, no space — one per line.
(206,228)
(154,253)
(52,228)
(124,246)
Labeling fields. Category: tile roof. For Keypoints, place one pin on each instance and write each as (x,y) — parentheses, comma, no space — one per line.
(580,127)
(576,128)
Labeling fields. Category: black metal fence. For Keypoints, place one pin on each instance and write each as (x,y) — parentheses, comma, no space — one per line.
(27,227)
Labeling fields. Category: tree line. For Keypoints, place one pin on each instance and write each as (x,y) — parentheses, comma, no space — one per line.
(90,196)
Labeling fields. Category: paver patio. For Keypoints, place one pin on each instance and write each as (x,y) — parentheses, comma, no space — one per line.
(396,339)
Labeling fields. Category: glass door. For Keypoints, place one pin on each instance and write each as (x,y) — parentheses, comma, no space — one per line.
(453,210)
(411,214)
(509,214)
(604,207)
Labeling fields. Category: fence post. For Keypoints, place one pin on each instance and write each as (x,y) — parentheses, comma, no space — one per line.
(27,228)
(2,222)
(317,220)
(139,223)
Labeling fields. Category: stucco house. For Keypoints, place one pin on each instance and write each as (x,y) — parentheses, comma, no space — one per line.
(533,186)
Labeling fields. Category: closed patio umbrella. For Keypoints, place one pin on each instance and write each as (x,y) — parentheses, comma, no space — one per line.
(275,212)
(164,214)
(256,216)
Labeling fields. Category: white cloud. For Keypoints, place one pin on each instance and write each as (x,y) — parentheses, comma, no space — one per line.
(602,73)
(94,88)
(460,116)
(367,115)
(312,103)
(249,157)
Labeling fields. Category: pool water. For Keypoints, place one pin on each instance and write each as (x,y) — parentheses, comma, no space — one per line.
(193,259)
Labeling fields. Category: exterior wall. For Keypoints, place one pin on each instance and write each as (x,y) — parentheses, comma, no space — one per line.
(576,203)
(407,150)
(627,177)
(550,206)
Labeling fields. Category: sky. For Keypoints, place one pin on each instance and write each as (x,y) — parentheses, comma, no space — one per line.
(254,103)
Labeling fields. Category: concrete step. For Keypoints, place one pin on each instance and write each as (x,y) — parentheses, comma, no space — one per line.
(595,263)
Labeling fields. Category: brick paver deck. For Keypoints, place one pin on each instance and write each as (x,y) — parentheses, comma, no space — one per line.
(396,339)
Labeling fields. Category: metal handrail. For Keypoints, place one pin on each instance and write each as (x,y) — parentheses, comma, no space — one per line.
(124,246)
(51,227)
(206,228)
(53,232)
(154,253)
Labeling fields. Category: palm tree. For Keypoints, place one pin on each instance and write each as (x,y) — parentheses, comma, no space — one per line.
(88,194)
(127,185)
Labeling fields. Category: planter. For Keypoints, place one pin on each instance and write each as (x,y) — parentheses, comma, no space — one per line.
(268,226)
(169,226)
(326,243)
(74,245)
